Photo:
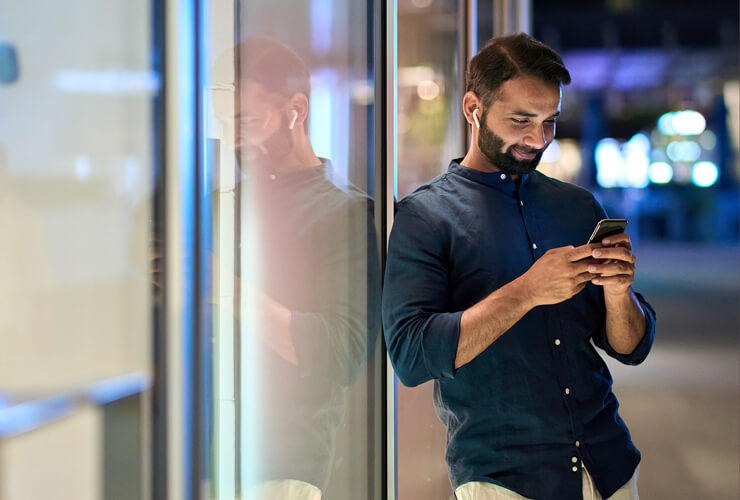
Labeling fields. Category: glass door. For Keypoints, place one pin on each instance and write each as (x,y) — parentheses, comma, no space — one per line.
(78,93)
(292,366)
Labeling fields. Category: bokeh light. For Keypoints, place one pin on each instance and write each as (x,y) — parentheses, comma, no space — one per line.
(609,162)
(427,90)
(660,172)
(704,174)
(682,123)
(623,165)
(687,151)
(708,140)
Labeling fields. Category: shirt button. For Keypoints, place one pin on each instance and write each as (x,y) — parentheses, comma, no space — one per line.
(578,443)
(574,460)
(521,202)
(557,341)
(503,177)
(574,469)
(534,246)
(273,177)
(567,390)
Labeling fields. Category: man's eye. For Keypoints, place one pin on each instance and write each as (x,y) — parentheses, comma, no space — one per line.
(520,122)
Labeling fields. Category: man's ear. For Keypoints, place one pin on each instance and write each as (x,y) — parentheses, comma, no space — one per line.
(471,103)
(298,110)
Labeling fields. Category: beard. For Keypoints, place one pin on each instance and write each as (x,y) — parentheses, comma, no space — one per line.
(269,152)
(492,147)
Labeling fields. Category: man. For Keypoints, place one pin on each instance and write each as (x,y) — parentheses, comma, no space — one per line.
(491,291)
(310,274)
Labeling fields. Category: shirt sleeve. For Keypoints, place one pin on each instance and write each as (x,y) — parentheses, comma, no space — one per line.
(336,339)
(421,336)
(643,348)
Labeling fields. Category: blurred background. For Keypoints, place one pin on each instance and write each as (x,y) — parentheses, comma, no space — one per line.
(126,369)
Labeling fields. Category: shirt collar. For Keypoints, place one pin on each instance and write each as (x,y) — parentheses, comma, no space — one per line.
(499,180)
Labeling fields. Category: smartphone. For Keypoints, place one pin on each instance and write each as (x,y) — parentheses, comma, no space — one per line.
(607,227)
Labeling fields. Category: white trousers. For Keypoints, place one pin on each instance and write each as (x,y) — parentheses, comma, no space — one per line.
(487,491)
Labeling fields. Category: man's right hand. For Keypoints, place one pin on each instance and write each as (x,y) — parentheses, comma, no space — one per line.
(556,276)
(559,274)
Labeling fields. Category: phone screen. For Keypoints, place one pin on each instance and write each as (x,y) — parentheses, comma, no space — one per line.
(607,227)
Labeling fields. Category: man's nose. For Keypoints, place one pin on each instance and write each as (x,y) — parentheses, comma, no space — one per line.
(536,137)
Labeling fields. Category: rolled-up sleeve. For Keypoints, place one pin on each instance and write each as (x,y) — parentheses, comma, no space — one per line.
(335,340)
(643,348)
(421,336)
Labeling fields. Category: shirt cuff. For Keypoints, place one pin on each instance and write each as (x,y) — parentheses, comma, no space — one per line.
(643,348)
(439,344)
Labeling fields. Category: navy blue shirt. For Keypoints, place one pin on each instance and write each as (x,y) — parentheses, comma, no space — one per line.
(538,401)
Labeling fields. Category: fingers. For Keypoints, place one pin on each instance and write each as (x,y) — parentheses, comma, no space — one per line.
(620,279)
(584,277)
(581,266)
(621,239)
(620,253)
(612,268)
(582,251)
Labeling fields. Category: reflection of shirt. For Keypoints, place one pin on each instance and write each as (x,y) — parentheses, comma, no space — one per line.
(316,254)
(539,397)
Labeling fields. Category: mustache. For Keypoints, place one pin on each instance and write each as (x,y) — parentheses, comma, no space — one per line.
(527,151)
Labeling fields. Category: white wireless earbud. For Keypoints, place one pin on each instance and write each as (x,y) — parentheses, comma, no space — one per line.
(475,117)
(292,120)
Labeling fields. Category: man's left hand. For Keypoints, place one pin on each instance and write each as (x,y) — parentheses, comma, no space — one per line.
(615,264)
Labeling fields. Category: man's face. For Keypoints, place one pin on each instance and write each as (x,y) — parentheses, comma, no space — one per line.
(256,119)
(519,125)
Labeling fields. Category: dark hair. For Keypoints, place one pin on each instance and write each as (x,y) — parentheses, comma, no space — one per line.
(274,66)
(512,56)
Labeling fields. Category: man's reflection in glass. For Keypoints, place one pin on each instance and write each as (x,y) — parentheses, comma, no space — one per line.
(314,298)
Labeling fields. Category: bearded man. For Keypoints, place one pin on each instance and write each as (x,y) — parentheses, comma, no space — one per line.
(491,291)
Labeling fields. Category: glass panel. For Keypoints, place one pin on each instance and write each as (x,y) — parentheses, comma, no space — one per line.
(296,273)
(76,167)
(430,89)
(430,134)
(76,170)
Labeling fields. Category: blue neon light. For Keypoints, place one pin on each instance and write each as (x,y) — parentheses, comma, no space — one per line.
(322,113)
(321,25)
(25,417)
(117,388)
(188,33)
